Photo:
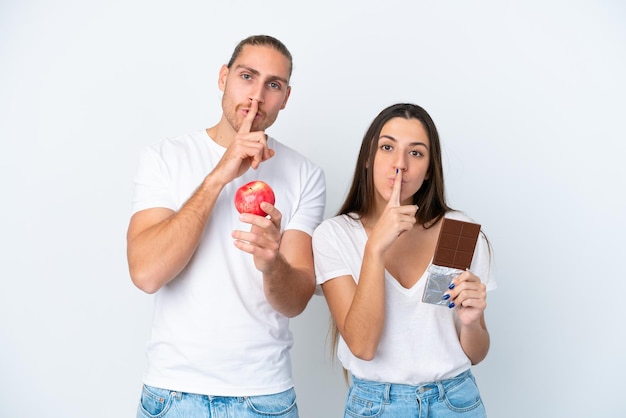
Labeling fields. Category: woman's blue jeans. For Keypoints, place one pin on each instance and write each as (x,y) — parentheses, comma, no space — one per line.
(451,398)
(163,403)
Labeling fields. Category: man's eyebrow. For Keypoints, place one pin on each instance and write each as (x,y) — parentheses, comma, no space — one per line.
(257,73)
(394,140)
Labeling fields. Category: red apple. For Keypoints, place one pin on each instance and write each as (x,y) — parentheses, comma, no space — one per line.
(248,197)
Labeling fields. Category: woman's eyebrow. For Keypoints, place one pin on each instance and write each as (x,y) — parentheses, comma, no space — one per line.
(391,138)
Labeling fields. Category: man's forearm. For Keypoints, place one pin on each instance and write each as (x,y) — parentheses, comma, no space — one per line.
(288,289)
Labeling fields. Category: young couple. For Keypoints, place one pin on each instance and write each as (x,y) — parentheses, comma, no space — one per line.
(226,284)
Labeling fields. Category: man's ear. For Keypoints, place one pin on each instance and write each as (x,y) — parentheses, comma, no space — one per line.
(286,98)
(221,80)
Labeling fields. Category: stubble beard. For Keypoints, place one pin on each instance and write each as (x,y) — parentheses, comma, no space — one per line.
(232,111)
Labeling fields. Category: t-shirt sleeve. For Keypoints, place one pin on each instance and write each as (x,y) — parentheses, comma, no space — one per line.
(309,212)
(327,255)
(151,184)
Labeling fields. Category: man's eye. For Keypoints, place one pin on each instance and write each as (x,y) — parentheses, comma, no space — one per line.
(275,86)
(246,76)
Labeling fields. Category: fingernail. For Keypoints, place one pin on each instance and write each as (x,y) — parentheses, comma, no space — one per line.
(397,171)
(446,296)
(451,305)
(451,286)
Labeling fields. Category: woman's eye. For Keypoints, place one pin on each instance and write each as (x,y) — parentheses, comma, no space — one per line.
(416,153)
(385,147)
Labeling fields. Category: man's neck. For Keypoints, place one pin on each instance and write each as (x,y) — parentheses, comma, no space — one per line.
(222,133)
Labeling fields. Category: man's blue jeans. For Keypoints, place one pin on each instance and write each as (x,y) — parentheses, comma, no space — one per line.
(163,403)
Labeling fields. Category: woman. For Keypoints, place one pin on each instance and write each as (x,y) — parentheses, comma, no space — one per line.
(406,358)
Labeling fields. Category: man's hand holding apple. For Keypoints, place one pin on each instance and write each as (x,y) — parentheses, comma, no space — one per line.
(263,239)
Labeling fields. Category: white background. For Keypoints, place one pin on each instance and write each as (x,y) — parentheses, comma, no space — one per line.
(529,98)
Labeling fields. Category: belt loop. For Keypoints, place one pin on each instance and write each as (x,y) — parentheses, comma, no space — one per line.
(441,390)
(387,392)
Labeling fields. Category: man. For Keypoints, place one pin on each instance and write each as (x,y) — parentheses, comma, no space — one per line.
(226,283)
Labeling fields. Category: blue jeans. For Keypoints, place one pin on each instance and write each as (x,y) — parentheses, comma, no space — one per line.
(163,403)
(457,397)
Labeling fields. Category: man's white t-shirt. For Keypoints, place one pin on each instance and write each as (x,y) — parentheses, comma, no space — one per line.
(213,330)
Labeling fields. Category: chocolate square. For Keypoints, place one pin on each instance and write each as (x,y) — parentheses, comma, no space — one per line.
(456,244)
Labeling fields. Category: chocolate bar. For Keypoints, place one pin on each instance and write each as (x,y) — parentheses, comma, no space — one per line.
(456,244)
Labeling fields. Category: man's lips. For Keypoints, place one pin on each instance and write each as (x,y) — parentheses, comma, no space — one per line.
(247,111)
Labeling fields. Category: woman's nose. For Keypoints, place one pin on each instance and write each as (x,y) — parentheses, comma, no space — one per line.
(401,164)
